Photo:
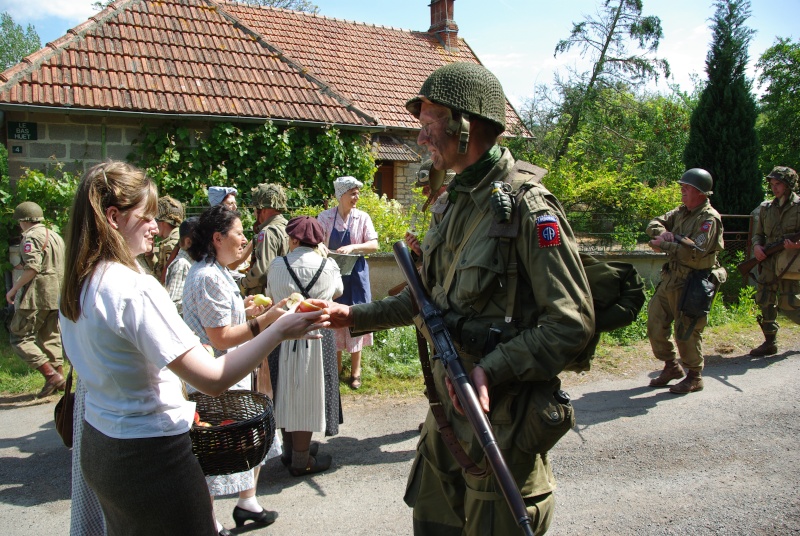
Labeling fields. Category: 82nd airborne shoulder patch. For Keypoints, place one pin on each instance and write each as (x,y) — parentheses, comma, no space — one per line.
(547,229)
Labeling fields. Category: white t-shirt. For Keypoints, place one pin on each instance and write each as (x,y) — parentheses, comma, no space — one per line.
(127,334)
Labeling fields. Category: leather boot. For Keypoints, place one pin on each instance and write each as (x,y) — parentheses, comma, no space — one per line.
(53,380)
(672,371)
(693,382)
(768,347)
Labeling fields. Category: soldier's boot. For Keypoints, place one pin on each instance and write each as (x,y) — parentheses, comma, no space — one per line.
(768,347)
(672,371)
(53,380)
(60,370)
(691,383)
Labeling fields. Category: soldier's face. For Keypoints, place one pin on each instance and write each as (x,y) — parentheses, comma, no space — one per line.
(779,188)
(691,196)
(443,148)
(164,229)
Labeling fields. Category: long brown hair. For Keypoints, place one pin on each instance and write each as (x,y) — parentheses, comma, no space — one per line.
(89,237)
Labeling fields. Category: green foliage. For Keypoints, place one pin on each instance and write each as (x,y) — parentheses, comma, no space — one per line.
(620,43)
(394,353)
(185,162)
(16,42)
(636,331)
(779,123)
(722,138)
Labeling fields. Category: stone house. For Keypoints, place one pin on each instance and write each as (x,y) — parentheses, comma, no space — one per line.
(84,97)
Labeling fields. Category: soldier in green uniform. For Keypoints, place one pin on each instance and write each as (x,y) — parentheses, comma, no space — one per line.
(778,277)
(34,333)
(169,218)
(512,342)
(271,240)
(696,220)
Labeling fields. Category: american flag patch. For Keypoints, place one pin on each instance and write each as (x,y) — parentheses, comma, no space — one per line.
(547,229)
(27,248)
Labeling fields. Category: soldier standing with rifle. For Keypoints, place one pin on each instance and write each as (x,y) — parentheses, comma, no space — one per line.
(778,284)
(514,334)
(699,222)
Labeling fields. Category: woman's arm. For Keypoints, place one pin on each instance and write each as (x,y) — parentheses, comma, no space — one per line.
(360,249)
(214,376)
(225,337)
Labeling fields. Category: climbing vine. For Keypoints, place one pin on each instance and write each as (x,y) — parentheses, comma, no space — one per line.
(184,162)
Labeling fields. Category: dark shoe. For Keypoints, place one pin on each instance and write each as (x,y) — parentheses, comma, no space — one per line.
(286,459)
(264,517)
(355,382)
(672,371)
(768,347)
(316,464)
(53,381)
(693,382)
(225,532)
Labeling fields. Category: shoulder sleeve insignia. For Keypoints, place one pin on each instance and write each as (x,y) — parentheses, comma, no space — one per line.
(261,236)
(706,226)
(27,248)
(547,229)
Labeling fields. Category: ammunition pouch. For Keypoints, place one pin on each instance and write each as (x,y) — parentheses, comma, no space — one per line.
(698,294)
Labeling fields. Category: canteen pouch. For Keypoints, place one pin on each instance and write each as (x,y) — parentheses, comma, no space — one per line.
(547,416)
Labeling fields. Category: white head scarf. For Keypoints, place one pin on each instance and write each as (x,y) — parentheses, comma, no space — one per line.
(342,185)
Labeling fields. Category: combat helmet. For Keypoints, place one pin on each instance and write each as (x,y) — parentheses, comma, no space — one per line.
(170,210)
(269,196)
(28,211)
(699,178)
(468,88)
(786,175)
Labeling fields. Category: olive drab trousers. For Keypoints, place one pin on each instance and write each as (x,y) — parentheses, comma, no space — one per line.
(445,503)
(35,337)
(662,313)
(771,297)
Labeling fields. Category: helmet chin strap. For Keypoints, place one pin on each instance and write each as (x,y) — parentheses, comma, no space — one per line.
(461,128)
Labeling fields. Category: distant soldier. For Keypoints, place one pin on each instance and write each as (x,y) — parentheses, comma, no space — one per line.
(170,216)
(34,333)
(271,240)
(698,221)
(778,284)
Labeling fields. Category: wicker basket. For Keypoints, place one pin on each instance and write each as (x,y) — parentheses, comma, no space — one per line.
(237,447)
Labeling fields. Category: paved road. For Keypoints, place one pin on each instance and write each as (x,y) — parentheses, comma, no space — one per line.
(641,461)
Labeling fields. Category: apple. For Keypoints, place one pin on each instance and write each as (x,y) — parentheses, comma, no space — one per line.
(294,297)
(264,301)
(226,422)
(196,417)
(306,307)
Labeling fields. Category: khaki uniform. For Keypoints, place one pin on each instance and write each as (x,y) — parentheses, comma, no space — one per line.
(776,221)
(34,331)
(271,242)
(165,248)
(551,325)
(704,226)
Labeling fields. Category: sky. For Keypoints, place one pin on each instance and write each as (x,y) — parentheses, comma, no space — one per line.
(515,39)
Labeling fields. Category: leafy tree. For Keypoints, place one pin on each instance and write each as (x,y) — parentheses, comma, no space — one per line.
(722,136)
(297,5)
(619,27)
(779,123)
(16,42)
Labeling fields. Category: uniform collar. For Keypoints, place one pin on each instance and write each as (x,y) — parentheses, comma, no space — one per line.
(481,192)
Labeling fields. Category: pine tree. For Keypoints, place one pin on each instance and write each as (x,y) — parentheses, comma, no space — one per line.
(722,136)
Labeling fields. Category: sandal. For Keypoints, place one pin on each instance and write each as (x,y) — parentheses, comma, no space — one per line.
(355,382)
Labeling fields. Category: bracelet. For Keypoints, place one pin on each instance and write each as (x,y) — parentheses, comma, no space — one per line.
(255,329)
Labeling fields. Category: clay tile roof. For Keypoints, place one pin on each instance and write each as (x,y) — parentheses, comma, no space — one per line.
(207,57)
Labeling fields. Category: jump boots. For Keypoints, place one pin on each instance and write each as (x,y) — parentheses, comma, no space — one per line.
(54,381)
(693,382)
(672,371)
(768,347)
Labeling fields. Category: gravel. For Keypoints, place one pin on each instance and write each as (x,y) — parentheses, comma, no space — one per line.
(640,461)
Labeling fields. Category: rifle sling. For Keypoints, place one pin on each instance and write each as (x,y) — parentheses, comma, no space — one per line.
(444,426)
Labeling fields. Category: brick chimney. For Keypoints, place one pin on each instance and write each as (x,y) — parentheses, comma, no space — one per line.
(443,25)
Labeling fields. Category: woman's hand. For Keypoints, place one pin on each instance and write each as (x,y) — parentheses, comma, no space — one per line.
(251,309)
(271,314)
(301,325)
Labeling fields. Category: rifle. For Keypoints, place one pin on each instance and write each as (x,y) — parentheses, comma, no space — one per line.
(775,247)
(688,242)
(430,323)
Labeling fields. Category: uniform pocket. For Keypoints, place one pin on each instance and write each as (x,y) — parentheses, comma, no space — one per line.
(478,268)
(547,417)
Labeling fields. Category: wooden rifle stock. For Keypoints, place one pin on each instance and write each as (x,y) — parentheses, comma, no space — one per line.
(776,247)
(430,322)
